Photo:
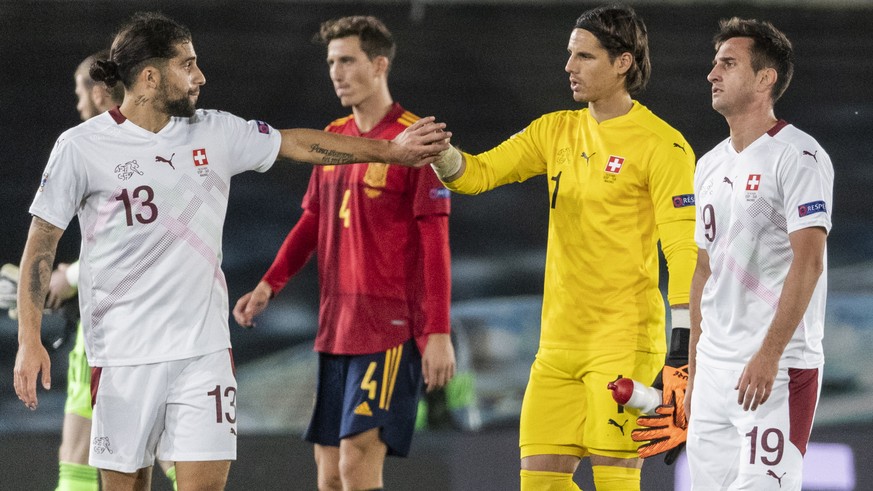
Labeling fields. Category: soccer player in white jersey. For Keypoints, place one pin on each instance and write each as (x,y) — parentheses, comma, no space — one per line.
(149,182)
(764,202)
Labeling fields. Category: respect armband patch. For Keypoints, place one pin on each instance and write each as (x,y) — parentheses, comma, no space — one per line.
(811,208)
(683,200)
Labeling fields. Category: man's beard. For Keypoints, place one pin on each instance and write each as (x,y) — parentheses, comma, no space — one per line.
(180,106)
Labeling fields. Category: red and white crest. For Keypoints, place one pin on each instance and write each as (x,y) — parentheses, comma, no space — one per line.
(754,182)
(613,164)
(200,157)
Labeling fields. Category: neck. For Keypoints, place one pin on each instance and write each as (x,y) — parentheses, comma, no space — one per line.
(616,105)
(140,110)
(748,126)
(371,110)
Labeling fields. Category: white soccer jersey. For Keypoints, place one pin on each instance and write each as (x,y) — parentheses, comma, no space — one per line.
(151,208)
(747,204)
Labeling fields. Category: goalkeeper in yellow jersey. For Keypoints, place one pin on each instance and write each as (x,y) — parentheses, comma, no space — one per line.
(619,180)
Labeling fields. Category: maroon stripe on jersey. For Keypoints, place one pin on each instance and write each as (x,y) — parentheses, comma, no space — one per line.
(95,383)
(232,364)
(115,112)
(779,125)
(802,399)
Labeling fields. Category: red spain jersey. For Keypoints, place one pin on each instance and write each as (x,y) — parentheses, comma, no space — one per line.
(370,261)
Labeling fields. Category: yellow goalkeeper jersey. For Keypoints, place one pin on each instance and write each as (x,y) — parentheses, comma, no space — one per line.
(614,188)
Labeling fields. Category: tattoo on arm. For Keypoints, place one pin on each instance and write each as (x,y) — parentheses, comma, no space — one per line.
(332,157)
(40,272)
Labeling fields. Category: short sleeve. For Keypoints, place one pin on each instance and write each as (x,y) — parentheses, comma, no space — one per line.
(252,145)
(62,187)
(807,190)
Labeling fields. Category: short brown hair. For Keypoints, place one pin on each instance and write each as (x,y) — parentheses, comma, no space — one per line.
(620,30)
(770,48)
(376,39)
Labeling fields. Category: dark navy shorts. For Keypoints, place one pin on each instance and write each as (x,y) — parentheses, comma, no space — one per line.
(357,393)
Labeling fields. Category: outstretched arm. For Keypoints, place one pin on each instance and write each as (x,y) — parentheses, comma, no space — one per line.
(417,145)
(36,271)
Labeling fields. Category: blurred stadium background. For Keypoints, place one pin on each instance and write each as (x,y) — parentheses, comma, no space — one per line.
(487,68)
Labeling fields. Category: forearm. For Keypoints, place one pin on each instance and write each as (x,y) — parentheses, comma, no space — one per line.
(436,273)
(680,252)
(324,148)
(450,165)
(36,269)
(698,280)
(797,290)
(296,250)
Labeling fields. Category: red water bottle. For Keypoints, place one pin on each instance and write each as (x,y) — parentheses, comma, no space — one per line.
(630,393)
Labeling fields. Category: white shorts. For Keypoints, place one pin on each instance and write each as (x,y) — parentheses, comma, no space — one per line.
(729,448)
(182,410)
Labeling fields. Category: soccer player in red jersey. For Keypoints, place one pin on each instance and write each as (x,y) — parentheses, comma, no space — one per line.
(381,236)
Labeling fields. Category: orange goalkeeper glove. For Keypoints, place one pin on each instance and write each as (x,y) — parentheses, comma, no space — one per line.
(666,430)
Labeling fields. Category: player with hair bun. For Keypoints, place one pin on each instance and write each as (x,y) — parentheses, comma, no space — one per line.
(149,182)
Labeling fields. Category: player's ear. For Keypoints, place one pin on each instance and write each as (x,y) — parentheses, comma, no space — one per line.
(150,76)
(382,64)
(767,79)
(623,63)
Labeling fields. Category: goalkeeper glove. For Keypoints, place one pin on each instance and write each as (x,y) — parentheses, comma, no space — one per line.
(667,434)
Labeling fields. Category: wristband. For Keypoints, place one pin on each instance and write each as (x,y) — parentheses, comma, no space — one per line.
(448,163)
(72,274)
(680,318)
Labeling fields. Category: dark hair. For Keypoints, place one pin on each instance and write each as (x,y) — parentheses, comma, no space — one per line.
(376,39)
(116,92)
(146,37)
(620,30)
(770,48)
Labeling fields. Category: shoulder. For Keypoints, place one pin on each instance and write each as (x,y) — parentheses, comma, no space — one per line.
(566,116)
(657,127)
(714,155)
(338,124)
(406,118)
(87,130)
(791,136)
(213,117)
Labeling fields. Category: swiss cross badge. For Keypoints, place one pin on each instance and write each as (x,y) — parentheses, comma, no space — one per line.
(613,164)
(753,184)
(201,163)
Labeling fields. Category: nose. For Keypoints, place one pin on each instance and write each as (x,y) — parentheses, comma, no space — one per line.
(335,72)
(199,78)
(714,74)
(568,67)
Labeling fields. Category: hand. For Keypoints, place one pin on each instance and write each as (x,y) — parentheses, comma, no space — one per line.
(756,381)
(59,288)
(421,143)
(438,361)
(663,433)
(31,359)
(251,304)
